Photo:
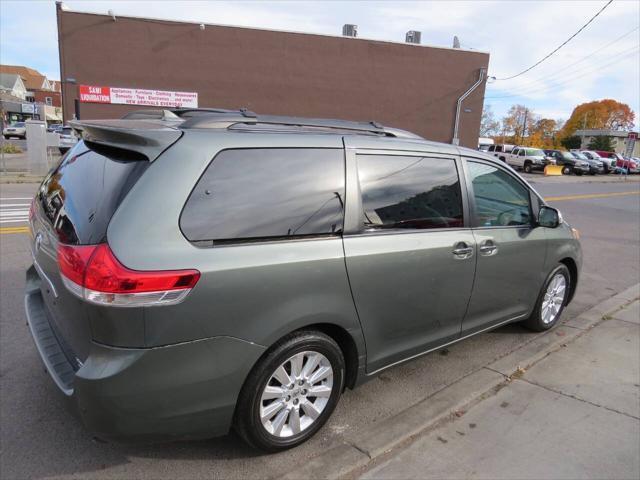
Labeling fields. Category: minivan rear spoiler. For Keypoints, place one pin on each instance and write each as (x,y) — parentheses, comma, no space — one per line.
(147,138)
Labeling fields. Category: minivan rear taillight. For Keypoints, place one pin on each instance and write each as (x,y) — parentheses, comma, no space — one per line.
(92,272)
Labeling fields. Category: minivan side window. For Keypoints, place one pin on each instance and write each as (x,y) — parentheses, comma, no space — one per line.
(500,200)
(410,192)
(499,148)
(267,193)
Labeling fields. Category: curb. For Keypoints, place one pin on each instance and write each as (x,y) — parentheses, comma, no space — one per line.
(357,450)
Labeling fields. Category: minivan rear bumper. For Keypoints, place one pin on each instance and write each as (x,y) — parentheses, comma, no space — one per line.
(185,390)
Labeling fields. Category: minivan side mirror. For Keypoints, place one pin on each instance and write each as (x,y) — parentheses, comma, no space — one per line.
(549,217)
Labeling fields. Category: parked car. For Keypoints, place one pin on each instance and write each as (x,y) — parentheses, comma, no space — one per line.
(629,164)
(608,163)
(17,130)
(595,166)
(570,164)
(500,150)
(67,139)
(190,276)
(528,159)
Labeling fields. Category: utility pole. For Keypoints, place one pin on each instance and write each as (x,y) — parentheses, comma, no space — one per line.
(524,124)
(584,126)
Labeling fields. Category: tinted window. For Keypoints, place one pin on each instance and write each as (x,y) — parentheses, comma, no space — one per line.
(260,193)
(409,192)
(499,148)
(83,192)
(500,199)
(535,152)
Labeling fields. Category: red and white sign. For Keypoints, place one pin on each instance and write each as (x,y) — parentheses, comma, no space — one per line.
(136,96)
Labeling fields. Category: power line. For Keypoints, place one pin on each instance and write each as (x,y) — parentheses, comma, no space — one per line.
(560,46)
(567,67)
(570,75)
(573,78)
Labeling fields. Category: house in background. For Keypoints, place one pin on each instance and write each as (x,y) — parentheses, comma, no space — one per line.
(12,84)
(27,93)
(618,138)
(39,87)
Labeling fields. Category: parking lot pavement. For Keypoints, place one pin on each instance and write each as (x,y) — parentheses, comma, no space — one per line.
(574,414)
(40,437)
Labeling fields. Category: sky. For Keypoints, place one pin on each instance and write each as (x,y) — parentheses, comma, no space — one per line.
(603,61)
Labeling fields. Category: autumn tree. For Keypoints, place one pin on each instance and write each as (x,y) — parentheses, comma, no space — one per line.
(600,114)
(517,123)
(489,126)
(601,142)
(542,133)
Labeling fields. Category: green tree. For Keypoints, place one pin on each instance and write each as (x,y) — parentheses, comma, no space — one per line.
(601,142)
(571,142)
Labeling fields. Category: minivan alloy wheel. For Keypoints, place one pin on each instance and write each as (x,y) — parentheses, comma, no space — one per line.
(296,394)
(553,298)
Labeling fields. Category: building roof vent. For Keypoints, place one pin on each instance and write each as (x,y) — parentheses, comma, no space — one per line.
(413,36)
(349,30)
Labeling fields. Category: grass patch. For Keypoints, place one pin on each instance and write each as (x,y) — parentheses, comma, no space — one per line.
(10,148)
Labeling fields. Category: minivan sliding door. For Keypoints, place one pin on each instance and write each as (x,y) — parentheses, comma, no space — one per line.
(411,259)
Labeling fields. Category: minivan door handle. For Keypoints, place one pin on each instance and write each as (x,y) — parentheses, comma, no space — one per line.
(488,248)
(462,250)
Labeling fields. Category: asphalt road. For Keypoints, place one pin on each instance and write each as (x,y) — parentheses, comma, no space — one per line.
(41,437)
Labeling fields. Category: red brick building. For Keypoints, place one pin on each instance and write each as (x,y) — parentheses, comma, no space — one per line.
(409,86)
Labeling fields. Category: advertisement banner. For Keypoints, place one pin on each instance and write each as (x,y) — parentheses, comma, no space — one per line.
(137,96)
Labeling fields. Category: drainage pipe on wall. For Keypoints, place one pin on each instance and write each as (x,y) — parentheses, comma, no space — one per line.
(456,140)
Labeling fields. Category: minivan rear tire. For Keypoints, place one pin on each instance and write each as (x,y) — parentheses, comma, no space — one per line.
(247,420)
(536,321)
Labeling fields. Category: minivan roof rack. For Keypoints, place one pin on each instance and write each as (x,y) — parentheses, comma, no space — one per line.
(219,118)
(229,119)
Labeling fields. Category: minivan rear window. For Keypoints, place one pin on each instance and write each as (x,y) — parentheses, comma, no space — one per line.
(81,195)
(265,194)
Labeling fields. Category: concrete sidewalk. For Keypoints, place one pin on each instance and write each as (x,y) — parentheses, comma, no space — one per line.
(575,413)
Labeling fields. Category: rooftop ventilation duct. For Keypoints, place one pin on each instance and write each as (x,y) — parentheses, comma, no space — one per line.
(413,36)
(349,30)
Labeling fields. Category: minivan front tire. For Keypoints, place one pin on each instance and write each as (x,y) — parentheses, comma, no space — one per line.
(551,300)
(291,392)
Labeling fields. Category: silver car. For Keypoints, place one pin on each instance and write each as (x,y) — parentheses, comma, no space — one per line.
(17,129)
(224,269)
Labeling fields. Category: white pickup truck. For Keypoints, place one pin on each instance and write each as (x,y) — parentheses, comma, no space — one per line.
(528,159)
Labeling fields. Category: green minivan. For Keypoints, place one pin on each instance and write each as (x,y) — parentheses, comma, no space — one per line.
(198,270)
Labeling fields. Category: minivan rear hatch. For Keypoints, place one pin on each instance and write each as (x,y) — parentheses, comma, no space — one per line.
(73,207)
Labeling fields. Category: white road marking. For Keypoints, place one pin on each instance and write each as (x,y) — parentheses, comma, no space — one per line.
(15,212)
(19,220)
